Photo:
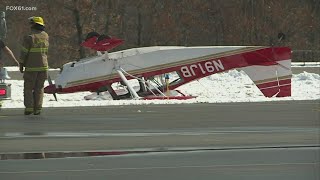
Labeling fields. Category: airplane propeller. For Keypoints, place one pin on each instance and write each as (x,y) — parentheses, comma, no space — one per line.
(50,83)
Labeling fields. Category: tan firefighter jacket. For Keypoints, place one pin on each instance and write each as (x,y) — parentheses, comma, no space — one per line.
(34,51)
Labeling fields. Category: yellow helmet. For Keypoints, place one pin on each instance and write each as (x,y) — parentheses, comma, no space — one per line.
(37,20)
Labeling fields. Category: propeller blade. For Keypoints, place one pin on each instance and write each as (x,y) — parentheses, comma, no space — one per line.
(55,96)
(50,83)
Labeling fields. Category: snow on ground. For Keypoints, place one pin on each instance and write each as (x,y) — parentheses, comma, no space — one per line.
(232,86)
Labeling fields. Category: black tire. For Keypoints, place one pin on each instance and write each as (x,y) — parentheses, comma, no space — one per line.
(92,34)
(102,37)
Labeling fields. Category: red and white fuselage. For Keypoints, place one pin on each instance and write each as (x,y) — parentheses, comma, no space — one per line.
(268,67)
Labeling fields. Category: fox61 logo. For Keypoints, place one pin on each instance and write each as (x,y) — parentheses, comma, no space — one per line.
(20,8)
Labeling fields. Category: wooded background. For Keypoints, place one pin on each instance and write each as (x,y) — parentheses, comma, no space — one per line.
(169,22)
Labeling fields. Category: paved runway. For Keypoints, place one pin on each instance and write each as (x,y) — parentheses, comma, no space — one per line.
(264,164)
(244,140)
(161,126)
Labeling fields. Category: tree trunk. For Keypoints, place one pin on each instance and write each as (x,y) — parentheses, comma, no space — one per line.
(107,23)
(76,14)
(139,27)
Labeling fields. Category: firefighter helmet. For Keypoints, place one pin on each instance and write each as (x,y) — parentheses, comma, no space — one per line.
(36,20)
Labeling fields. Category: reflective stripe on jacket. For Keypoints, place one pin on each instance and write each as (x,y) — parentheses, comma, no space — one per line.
(34,51)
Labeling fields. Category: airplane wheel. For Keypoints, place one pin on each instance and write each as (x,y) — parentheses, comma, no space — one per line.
(102,37)
(92,34)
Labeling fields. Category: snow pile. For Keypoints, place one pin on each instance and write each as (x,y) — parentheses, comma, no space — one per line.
(306,86)
(233,86)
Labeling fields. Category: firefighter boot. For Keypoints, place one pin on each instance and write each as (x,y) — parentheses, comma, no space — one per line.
(37,111)
(28,111)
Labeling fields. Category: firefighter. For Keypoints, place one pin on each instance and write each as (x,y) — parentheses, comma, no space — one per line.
(34,65)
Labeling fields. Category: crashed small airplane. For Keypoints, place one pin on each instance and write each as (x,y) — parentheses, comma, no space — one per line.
(173,66)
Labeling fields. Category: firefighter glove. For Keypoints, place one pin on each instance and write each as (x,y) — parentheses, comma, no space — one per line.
(21,69)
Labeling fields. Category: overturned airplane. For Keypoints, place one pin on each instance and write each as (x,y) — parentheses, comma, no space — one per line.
(268,67)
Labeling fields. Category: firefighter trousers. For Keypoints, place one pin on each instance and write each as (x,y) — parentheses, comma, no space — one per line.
(34,90)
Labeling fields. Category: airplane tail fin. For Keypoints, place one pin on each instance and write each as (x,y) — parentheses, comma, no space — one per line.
(273,79)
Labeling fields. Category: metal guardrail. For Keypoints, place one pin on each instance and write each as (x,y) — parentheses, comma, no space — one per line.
(305,64)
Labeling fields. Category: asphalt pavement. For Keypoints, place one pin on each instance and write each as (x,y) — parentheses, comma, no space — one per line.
(161,126)
(265,140)
(262,164)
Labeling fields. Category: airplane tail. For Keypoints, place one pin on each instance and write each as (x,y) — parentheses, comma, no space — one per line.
(274,78)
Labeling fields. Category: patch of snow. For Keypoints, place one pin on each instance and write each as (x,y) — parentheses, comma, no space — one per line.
(232,86)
